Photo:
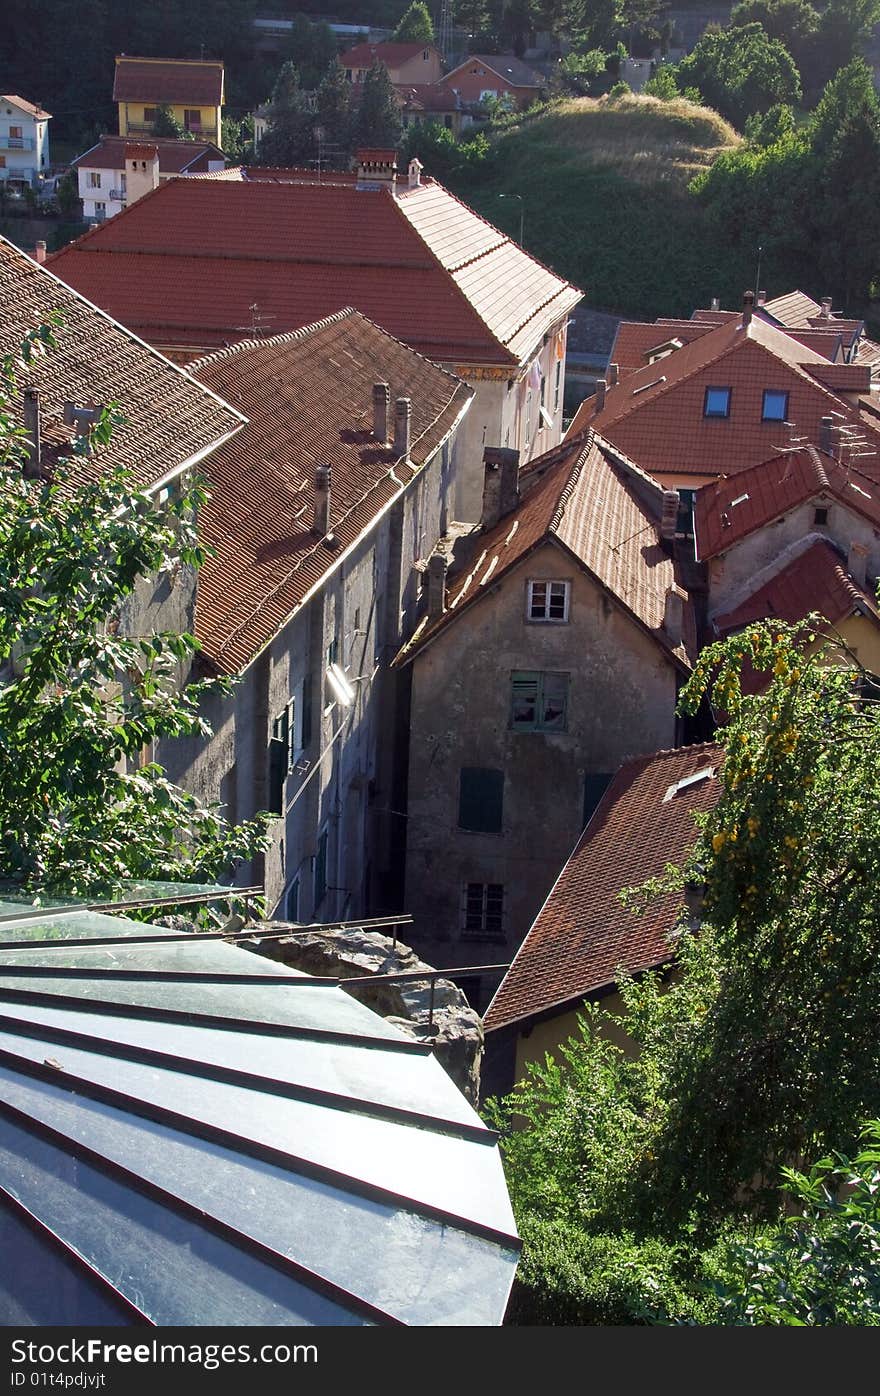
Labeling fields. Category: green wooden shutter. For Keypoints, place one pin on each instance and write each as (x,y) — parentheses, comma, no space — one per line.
(480,799)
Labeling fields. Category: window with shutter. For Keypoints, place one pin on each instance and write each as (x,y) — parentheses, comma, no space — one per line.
(539,701)
(480,799)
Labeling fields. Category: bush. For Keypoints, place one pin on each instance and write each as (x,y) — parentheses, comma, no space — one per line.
(620,89)
(663,84)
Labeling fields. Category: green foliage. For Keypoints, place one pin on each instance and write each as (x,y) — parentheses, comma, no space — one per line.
(311,47)
(822,1265)
(794,23)
(80,702)
(238,140)
(67,194)
(739,71)
(770,127)
(415,26)
(166,124)
(289,137)
(335,117)
(844,28)
(663,84)
(620,89)
(377,120)
(444,157)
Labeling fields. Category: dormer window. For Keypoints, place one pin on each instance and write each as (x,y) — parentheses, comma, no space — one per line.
(775,405)
(716,403)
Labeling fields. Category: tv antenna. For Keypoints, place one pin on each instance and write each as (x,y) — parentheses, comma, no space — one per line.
(259,322)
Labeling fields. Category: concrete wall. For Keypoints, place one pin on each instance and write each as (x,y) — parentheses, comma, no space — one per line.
(621,701)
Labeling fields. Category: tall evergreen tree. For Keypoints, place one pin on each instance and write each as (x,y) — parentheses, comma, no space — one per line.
(335,116)
(415,27)
(378,121)
(289,139)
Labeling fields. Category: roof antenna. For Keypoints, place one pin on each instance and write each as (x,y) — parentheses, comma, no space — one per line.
(758,273)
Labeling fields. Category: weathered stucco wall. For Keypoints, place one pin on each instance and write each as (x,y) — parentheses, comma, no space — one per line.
(621,700)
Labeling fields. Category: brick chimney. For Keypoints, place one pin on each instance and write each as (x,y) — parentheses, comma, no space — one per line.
(402,427)
(322,501)
(857,563)
(40,252)
(31,468)
(613,375)
(381,404)
(438,564)
(748,306)
(673,615)
(500,483)
(601,385)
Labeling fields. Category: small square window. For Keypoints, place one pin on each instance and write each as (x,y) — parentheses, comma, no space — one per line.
(483,911)
(775,407)
(716,403)
(820,517)
(547,601)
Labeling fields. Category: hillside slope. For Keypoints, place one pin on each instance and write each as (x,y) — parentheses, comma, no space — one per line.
(604,196)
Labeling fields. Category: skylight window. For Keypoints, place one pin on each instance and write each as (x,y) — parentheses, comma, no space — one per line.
(716,403)
(645,386)
(705,774)
(775,405)
(740,499)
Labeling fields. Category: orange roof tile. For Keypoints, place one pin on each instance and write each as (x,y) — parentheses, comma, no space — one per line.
(185,263)
(170,419)
(814,580)
(175,157)
(172,81)
(585,498)
(731,508)
(794,309)
(29,107)
(583,935)
(391,54)
(656,414)
(634,340)
(308,398)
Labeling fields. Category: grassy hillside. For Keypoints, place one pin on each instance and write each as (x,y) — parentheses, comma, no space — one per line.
(605,202)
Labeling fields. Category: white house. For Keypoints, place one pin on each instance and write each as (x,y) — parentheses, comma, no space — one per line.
(24,141)
(116,172)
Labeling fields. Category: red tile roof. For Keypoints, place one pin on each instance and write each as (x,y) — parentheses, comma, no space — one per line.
(175,81)
(175,157)
(583,935)
(582,496)
(27,106)
(504,65)
(170,419)
(815,579)
(656,414)
(842,378)
(731,508)
(427,96)
(391,54)
(185,263)
(794,309)
(634,340)
(309,400)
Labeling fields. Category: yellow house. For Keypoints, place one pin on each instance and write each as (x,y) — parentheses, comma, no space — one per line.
(191,89)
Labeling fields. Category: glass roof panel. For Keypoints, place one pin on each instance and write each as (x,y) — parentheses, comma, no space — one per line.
(173,1270)
(422,1271)
(441,1171)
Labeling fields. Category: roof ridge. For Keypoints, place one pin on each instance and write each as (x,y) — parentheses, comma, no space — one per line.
(569,487)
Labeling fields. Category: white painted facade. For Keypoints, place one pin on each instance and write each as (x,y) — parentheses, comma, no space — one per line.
(24,143)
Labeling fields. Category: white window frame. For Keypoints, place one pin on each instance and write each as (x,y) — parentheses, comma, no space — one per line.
(94,179)
(548,584)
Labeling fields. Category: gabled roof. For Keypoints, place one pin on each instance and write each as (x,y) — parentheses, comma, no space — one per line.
(587,500)
(427,96)
(505,65)
(175,81)
(185,264)
(656,414)
(175,157)
(391,54)
(26,106)
(815,579)
(729,509)
(795,308)
(634,340)
(170,419)
(583,935)
(309,400)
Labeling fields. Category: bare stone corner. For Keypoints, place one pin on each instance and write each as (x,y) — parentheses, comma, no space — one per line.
(456,1033)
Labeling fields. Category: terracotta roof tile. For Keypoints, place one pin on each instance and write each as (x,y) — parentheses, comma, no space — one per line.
(391,54)
(814,580)
(842,378)
(504,65)
(583,936)
(185,263)
(794,309)
(29,107)
(634,340)
(656,414)
(169,417)
(111,153)
(174,81)
(732,507)
(308,398)
(593,504)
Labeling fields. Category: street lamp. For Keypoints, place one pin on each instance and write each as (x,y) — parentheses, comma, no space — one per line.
(521,211)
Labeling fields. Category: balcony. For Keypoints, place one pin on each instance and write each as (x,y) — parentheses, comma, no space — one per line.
(117,196)
(16,142)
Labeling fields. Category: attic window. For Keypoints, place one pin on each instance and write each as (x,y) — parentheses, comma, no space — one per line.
(820,517)
(645,386)
(662,351)
(696,779)
(740,499)
(716,403)
(775,405)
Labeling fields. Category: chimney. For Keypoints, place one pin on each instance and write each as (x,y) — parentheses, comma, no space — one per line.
(381,403)
(826,307)
(322,501)
(600,395)
(500,483)
(716,304)
(402,427)
(857,563)
(613,375)
(376,169)
(669,513)
(31,468)
(826,435)
(762,298)
(40,252)
(414,170)
(748,305)
(673,615)
(437,567)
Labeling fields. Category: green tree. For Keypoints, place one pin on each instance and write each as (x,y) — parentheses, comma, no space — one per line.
(238,139)
(844,28)
(312,48)
(740,71)
(289,138)
(663,84)
(167,125)
(793,22)
(415,26)
(377,120)
(335,115)
(80,701)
